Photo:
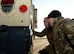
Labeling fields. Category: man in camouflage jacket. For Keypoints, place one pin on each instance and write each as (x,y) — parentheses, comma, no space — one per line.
(55,36)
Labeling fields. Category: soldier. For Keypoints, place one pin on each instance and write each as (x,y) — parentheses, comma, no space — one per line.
(58,43)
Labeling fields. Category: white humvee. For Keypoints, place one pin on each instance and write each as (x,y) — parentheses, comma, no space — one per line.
(15,26)
(16,13)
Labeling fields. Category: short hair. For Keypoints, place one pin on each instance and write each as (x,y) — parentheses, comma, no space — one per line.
(54,14)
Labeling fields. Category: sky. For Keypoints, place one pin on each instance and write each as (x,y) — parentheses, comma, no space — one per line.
(44,7)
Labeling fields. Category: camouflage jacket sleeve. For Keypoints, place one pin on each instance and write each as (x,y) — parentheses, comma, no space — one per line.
(64,27)
(40,34)
(66,30)
(69,36)
(61,44)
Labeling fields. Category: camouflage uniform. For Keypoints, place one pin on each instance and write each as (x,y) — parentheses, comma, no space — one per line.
(49,35)
(70,35)
(62,45)
(56,38)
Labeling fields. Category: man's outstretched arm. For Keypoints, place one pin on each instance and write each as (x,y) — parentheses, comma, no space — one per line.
(40,34)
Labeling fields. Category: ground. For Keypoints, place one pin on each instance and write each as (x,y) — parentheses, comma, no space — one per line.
(39,43)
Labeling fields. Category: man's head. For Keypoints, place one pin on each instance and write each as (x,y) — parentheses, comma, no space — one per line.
(52,15)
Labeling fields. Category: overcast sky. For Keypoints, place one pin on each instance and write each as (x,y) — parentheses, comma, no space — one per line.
(66,7)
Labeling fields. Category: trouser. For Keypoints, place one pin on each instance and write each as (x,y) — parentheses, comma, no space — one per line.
(47,50)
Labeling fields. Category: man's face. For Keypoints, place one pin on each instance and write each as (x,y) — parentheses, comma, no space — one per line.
(46,22)
(50,22)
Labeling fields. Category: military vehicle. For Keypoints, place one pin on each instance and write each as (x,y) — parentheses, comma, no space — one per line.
(15,26)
